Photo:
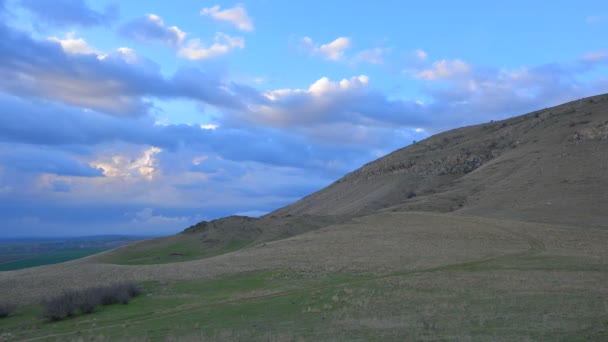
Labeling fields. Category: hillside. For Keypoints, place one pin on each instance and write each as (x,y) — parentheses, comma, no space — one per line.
(548,166)
(483,233)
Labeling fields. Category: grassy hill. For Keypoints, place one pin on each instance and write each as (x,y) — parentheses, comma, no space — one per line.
(489,232)
(545,166)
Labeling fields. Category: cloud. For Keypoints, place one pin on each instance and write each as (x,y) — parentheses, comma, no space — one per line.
(444,69)
(145,166)
(372,56)
(236,16)
(332,51)
(472,94)
(595,57)
(325,101)
(148,216)
(23,158)
(152,27)
(223,44)
(117,83)
(73,45)
(60,186)
(70,12)
(421,55)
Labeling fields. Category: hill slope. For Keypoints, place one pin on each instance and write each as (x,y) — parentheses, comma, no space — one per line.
(547,166)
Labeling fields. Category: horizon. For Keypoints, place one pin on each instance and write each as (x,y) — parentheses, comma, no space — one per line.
(136,119)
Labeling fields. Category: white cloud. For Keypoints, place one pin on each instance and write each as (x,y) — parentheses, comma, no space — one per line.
(321,87)
(323,102)
(333,50)
(223,44)
(73,45)
(371,56)
(444,69)
(121,166)
(236,15)
(421,55)
(152,27)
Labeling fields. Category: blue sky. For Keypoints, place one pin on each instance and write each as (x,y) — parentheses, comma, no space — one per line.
(140,117)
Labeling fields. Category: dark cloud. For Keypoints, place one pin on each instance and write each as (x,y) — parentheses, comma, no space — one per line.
(23,158)
(60,186)
(45,123)
(152,28)
(70,12)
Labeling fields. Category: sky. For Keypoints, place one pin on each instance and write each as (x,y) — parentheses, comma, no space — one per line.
(145,117)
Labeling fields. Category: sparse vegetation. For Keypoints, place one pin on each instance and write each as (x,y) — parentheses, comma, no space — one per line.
(72,302)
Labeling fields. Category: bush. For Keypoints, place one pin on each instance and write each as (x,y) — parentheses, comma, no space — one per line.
(6,309)
(62,306)
(86,301)
(118,293)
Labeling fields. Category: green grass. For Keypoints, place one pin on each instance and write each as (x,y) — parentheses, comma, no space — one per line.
(181,250)
(448,304)
(49,258)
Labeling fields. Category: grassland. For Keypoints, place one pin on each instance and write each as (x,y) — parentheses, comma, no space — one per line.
(419,277)
(18,253)
(162,251)
(52,257)
(458,302)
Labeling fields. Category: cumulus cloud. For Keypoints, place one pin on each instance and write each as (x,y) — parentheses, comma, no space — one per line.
(325,101)
(152,27)
(117,83)
(236,16)
(223,44)
(333,50)
(145,166)
(70,12)
(73,45)
(444,69)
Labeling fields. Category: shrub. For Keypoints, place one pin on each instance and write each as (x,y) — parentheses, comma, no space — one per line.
(62,306)
(6,309)
(86,301)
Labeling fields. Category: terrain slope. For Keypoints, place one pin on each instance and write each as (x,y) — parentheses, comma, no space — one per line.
(489,232)
(547,166)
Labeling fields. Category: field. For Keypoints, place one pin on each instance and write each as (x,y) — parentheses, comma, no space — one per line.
(419,277)
(16,254)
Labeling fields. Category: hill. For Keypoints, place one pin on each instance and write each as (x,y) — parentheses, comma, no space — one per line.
(489,232)
(547,166)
